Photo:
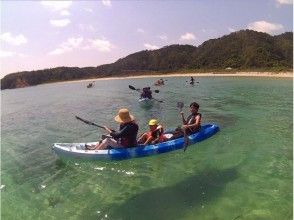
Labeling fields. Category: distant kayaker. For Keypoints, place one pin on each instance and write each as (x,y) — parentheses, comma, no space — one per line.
(159,82)
(192,80)
(154,135)
(125,137)
(146,93)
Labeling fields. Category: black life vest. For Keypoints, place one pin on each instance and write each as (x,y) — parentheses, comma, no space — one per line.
(191,120)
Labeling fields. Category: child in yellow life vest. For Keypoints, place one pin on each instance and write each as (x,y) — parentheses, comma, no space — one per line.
(154,135)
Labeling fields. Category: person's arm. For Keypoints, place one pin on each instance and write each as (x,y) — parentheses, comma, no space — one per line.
(108,129)
(141,138)
(156,140)
(148,140)
(120,133)
(183,119)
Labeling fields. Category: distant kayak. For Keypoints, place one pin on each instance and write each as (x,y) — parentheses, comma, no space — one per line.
(146,102)
(77,150)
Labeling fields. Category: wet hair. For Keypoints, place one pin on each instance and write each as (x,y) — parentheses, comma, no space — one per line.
(195,105)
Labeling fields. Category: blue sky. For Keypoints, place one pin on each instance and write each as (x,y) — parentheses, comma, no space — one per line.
(46,34)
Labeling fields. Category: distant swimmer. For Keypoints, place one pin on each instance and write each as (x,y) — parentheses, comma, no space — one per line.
(192,81)
(159,82)
(90,85)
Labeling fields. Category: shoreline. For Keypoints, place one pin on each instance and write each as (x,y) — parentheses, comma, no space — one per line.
(212,74)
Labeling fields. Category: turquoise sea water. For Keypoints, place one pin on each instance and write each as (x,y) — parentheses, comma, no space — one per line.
(243,172)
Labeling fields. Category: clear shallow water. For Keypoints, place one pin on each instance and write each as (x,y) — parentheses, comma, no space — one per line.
(243,172)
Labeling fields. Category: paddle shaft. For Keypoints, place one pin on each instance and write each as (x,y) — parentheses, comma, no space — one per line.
(138,90)
(91,123)
(186,140)
(157,100)
(180,105)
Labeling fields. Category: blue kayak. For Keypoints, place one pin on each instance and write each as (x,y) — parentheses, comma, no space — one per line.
(77,150)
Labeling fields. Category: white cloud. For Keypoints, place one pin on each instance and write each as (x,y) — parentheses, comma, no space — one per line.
(86,27)
(163,37)
(74,42)
(140,30)
(285,2)
(6,54)
(57,5)
(79,43)
(89,10)
(106,3)
(101,45)
(13,40)
(209,31)
(68,45)
(187,36)
(60,22)
(64,13)
(231,29)
(58,51)
(151,47)
(264,26)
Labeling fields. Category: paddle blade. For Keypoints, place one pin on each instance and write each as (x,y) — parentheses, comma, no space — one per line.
(180,105)
(132,87)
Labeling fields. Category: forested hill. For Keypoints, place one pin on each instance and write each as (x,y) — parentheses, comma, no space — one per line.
(242,50)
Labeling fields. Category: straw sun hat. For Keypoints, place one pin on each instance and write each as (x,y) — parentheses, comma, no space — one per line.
(124,116)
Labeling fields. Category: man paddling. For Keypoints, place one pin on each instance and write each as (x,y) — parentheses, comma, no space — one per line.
(193,122)
(146,93)
(190,125)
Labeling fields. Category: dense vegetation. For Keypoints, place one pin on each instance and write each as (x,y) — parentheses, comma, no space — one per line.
(242,50)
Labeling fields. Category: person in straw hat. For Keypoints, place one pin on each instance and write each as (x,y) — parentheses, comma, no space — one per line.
(127,134)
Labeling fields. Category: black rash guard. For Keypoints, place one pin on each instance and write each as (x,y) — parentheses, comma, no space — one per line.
(127,134)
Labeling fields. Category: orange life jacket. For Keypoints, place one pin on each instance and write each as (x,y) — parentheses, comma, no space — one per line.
(161,135)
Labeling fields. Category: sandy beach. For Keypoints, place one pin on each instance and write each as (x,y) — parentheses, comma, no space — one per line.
(212,74)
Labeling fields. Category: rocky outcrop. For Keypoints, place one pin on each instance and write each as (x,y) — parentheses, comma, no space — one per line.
(21,83)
